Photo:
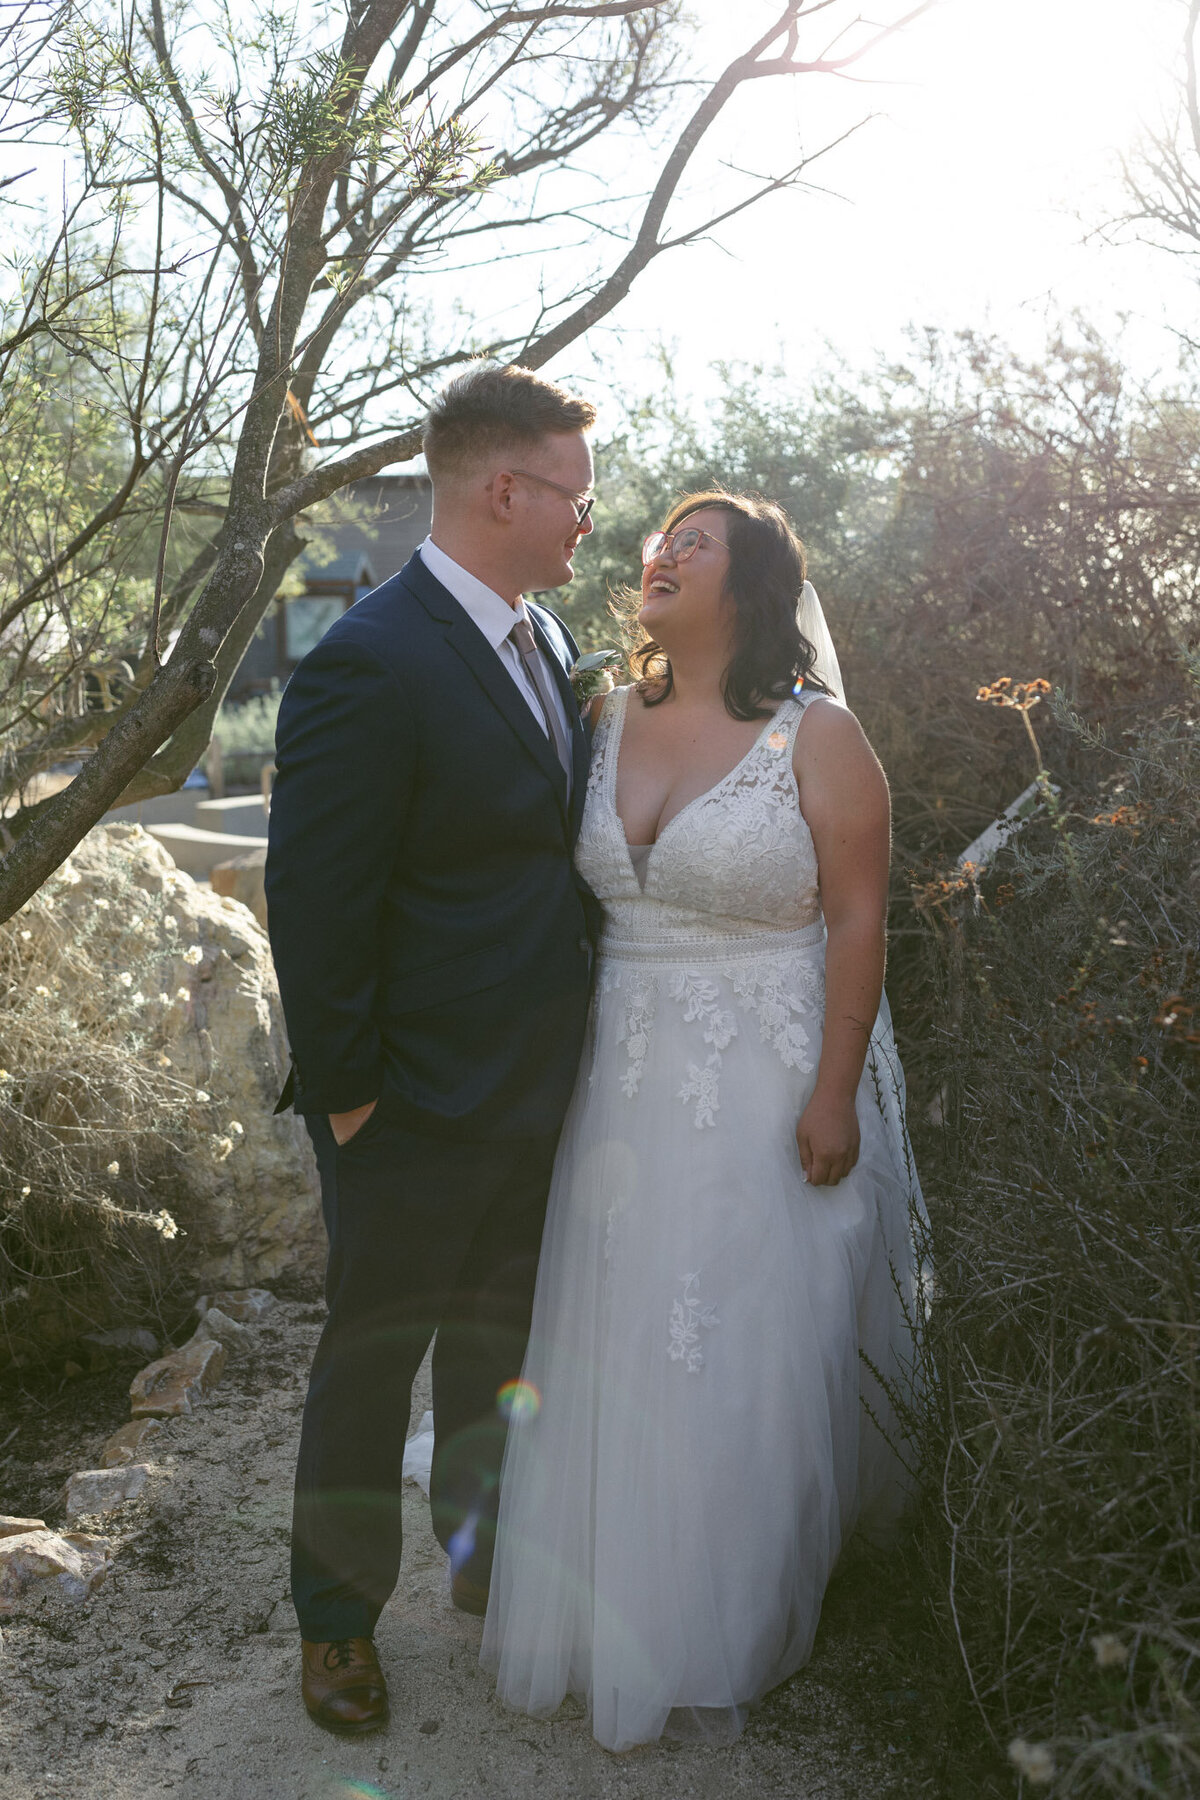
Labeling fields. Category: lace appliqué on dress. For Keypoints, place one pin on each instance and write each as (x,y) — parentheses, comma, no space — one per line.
(689,1317)
(778,996)
(764,993)
(637,1019)
(700,998)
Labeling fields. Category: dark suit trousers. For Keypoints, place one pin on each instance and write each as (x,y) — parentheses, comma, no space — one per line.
(425,1235)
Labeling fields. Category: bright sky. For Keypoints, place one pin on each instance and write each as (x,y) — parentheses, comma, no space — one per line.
(967,203)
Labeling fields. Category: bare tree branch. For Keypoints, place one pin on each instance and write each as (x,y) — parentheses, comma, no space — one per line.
(294,211)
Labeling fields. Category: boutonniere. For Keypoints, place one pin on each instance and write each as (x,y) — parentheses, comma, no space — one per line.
(592,675)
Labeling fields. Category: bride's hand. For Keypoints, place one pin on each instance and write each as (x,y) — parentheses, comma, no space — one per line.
(827,1137)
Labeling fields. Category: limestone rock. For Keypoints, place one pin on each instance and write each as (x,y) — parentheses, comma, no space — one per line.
(106,1347)
(128,1445)
(246,1305)
(174,1386)
(220,1329)
(210,1004)
(242,878)
(75,1562)
(99,1490)
(13,1527)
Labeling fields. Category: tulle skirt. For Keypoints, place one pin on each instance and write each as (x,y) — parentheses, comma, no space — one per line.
(710,1393)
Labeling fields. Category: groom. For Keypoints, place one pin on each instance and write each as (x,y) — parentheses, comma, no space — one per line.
(432,942)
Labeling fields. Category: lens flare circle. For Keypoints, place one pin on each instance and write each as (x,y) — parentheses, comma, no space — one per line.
(518,1401)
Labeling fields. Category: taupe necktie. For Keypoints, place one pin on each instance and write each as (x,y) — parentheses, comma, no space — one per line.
(522,636)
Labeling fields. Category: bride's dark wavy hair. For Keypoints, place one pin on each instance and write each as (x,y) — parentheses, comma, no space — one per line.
(767,567)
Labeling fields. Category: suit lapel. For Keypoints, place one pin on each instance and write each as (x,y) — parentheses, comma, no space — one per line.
(465,637)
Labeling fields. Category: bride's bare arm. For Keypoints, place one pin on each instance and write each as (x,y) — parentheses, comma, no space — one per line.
(844,799)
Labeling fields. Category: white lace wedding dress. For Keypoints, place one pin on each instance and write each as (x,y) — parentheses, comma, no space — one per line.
(709,1332)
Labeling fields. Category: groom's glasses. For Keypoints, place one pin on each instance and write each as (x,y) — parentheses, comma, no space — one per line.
(679,544)
(583,505)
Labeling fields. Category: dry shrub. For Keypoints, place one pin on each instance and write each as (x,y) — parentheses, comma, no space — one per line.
(1065,1455)
(94,1122)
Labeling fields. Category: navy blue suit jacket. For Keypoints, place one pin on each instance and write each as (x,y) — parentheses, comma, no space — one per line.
(430,933)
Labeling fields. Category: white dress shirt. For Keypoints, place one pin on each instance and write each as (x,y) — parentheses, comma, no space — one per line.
(495,618)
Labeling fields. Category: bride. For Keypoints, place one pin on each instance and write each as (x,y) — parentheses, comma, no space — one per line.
(729,1283)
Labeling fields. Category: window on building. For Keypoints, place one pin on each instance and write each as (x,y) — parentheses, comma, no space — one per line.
(306,620)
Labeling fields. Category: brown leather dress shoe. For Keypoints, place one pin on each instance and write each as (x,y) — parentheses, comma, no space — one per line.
(469,1596)
(343,1685)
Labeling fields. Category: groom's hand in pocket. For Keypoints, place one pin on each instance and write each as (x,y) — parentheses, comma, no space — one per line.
(344,1125)
(827,1137)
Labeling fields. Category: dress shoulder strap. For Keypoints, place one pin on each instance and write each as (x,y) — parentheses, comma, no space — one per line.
(793,710)
(804,699)
(612,711)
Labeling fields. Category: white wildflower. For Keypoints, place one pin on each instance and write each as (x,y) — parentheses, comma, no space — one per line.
(164,1223)
(4,1075)
(135,924)
(44,991)
(125,978)
(100,903)
(222,1147)
(203,1097)
(48,902)
(70,875)
(25,936)
(164,999)
(182,993)
(164,1062)
(193,955)
(171,922)
(26,1191)
(138,999)
(1110,1652)
(114,1168)
(1034,1761)
(235,1130)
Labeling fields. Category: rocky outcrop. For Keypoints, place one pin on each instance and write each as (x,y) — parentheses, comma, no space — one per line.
(203,992)
(130,1443)
(237,1339)
(246,1305)
(243,878)
(72,1561)
(174,1386)
(99,1490)
(14,1527)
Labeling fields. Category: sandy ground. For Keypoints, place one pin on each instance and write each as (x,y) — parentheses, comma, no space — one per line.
(181,1674)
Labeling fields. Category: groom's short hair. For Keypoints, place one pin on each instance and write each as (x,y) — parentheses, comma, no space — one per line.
(492,409)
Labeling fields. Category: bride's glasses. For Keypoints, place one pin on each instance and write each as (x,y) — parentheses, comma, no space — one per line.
(678,544)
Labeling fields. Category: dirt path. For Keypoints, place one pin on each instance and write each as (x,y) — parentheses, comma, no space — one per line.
(180,1676)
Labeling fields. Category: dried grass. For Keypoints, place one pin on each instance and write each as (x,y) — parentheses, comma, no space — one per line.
(94,1122)
(1061,1541)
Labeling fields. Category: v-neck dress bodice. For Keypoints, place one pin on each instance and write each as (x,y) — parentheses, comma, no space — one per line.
(736,862)
(716,1346)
